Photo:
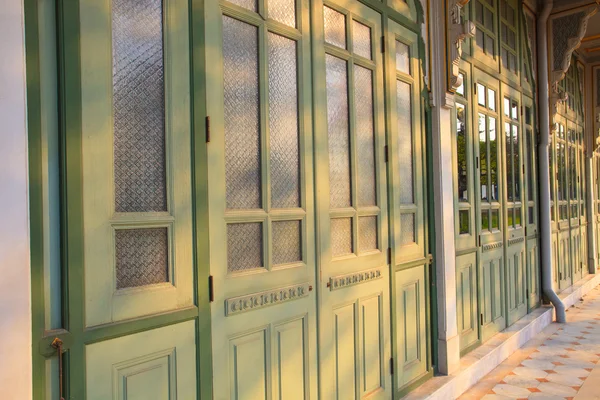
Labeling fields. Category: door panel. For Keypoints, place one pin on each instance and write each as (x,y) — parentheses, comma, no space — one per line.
(156,364)
(352,217)
(261,202)
(137,176)
(491,290)
(564,265)
(466,299)
(533,273)
(516,283)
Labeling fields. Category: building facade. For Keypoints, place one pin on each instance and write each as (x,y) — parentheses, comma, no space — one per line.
(291,199)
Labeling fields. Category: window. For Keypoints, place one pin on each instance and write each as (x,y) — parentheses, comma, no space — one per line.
(485,36)
(512,137)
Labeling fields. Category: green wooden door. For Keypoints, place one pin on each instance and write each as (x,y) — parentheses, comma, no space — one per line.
(354,328)
(562,206)
(129,297)
(261,200)
(516,204)
(489,180)
(406,177)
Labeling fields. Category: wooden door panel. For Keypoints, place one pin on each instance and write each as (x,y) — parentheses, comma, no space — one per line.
(533,273)
(492,292)
(516,280)
(466,297)
(157,364)
(411,332)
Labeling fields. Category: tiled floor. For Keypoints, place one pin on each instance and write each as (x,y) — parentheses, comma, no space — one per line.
(554,365)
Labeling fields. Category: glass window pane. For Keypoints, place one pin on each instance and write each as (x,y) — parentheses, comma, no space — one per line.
(514,111)
(483,158)
(244,246)
(138,106)
(341,236)
(518,216)
(462,154)
(531,215)
(402,57)
(361,39)
(509,216)
(287,242)
(485,220)
(407,229)
(461,89)
(517,167)
(367,234)
(335,27)
(530,179)
(142,257)
(506,106)
(480,94)
(242,121)
(509,162)
(364,131)
(338,133)
(283,122)
(249,4)
(491,94)
(405,142)
(464,223)
(489,45)
(283,11)
(495,220)
(493,159)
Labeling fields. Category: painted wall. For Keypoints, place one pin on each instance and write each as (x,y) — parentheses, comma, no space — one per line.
(15,303)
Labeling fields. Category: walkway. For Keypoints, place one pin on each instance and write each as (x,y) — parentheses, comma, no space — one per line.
(560,363)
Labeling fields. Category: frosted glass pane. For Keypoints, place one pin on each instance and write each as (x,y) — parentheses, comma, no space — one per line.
(363,103)
(367,233)
(241,107)
(341,236)
(142,257)
(405,142)
(407,229)
(335,27)
(287,242)
(337,132)
(244,247)
(249,4)
(361,39)
(138,106)
(283,123)
(402,57)
(283,11)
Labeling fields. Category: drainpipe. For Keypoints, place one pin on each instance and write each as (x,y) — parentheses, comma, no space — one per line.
(544,168)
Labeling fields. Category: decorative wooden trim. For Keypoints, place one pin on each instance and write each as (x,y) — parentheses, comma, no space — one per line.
(491,246)
(458,31)
(342,281)
(515,241)
(240,304)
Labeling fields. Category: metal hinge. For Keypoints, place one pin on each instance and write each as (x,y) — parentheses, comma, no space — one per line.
(477,162)
(211,289)
(392,366)
(481,318)
(383,44)
(523,168)
(389,255)
(207,126)
(386,152)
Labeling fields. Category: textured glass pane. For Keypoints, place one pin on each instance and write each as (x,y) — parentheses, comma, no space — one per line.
(249,4)
(462,154)
(244,246)
(363,103)
(361,39)
(341,236)
(138,106)
(283,11)
(402,57)
(337,132)
(283,123)
(241,107)
(142,257)
(531,215)
(405,142)
(335,27)
(367,233)
(407,229)
(287,242)
(463,218)
(483,158)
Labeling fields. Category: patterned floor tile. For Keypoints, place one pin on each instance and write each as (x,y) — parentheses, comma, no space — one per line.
(511,391)
(521,381)
(567,380)
(530,372)
(556,390)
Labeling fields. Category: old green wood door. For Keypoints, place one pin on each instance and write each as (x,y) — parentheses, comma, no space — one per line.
(131,329)
(562,206)
(514,162)
(261,200)
(354,329)
(489,180)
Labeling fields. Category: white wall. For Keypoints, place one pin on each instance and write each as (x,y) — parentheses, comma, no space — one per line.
(15,295)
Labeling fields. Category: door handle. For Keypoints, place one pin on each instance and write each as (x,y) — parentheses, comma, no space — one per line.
(58,345)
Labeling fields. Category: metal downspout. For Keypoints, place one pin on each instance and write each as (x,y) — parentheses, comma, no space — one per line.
(543,167)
